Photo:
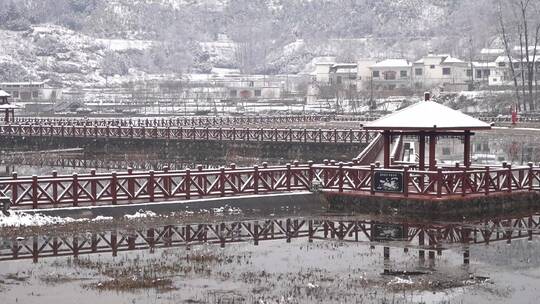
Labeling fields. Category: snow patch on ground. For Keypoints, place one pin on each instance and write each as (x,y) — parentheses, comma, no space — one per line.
(227,210)
(140,214)
(23,219)
(400,281)
(124,44)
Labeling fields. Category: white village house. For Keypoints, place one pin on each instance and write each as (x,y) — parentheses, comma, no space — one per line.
(440,70)
(391,74)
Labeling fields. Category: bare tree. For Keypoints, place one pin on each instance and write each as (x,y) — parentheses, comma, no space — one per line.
(508,50)
(518,20)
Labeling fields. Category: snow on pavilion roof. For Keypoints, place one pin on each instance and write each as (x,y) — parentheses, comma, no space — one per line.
(427,116)
(4,94)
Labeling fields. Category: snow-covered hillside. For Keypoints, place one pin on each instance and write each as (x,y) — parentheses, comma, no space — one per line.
(76,41)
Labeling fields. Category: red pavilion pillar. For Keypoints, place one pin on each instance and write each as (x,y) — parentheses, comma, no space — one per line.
(467,149)
(422,152)
(432,145)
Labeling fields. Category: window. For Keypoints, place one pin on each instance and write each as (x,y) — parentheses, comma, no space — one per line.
(251,84)
(339,80)
(446,151)
(432,66)
(494,79)
(15,94)
(502,64)
(469,73)
(478,73)
(35,94)
(418,72)
(486,73)
(376,74)
(257,93)
(352,77)
(232,93)
(25,95)
(402,74)
(390,75)
(446,71)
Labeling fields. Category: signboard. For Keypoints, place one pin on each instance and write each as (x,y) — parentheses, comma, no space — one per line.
(388,232)
(387,181)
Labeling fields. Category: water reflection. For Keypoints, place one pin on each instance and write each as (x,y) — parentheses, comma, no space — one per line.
(430,237)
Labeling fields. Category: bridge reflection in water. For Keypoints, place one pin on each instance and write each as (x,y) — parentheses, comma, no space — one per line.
(422,236)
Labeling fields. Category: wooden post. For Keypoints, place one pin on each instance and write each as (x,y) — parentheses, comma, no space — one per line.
(150,186)
(467,149)
(288,177)
(114,182)
(422,152)
(187,183)
(256,179)
(340,181)
(130,184)
(386,151)
(75,189)
(439,182)
(54,185)
(406,176)
(222,181)
(372,175)
(34,192)
(14,190)
(487,181)
(509,178)
(93,187)
(530,177)
(311,173)
(432,145)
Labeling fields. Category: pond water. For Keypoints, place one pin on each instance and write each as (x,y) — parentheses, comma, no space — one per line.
(268,258)
(302,259)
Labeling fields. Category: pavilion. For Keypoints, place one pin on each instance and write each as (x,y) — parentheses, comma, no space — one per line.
(6,107)
(427,120)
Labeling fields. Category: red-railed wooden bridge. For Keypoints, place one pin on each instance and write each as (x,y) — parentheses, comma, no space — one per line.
(149,186)
(109,163)
(422,236)
(192,133)
(426,121)
(184,121)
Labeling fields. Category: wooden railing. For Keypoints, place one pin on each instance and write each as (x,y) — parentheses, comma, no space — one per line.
(193,133)
(187,121)
(370,153)
(191,121)
(410,234)
(130,187)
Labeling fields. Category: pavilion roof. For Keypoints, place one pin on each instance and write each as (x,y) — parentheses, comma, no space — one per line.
(427,116)
(4,94)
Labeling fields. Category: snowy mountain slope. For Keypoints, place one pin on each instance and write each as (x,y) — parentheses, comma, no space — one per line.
(74,41)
